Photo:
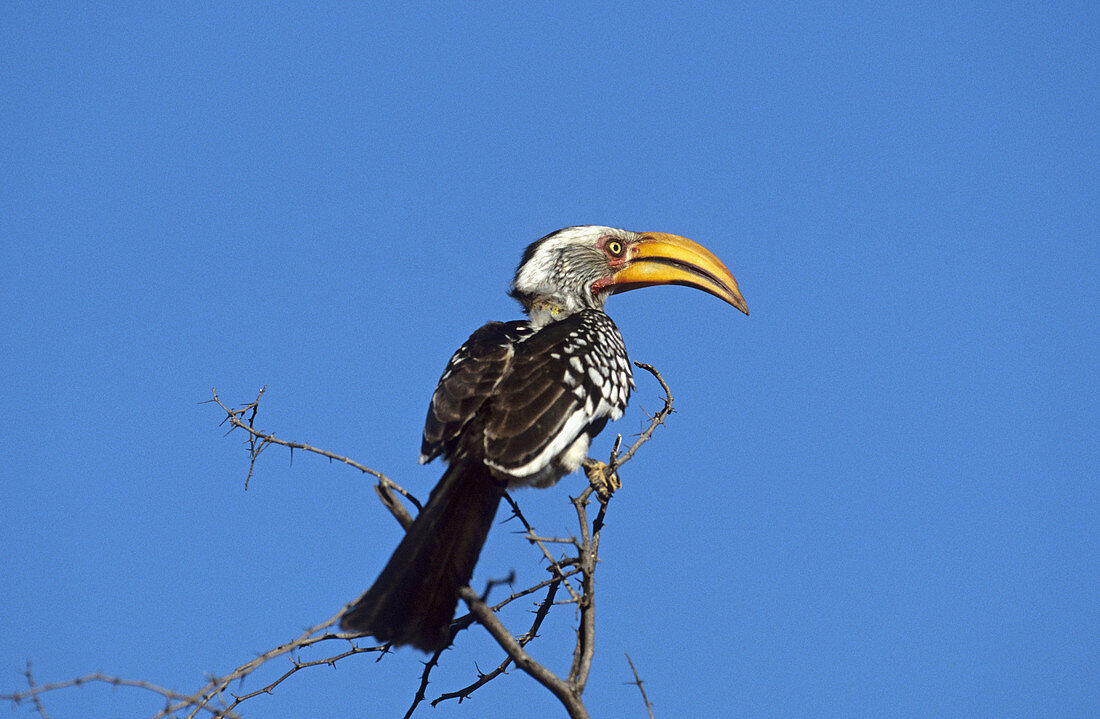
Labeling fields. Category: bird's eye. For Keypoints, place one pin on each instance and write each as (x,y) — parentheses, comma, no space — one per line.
(614,248)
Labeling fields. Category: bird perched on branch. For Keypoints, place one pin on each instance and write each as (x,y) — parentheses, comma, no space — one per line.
(518,405)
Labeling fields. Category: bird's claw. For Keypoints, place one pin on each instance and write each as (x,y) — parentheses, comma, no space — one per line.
(602,478)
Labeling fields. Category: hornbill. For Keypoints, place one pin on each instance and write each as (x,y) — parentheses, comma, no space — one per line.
(518,405)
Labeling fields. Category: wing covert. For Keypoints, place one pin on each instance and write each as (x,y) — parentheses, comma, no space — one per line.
(568,377)
(470,378)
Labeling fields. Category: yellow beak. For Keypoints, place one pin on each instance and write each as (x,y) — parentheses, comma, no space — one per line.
(661,259)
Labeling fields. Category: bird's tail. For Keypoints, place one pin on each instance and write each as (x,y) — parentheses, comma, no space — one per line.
(413,600)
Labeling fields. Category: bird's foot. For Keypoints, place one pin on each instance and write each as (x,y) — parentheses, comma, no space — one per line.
(602,478)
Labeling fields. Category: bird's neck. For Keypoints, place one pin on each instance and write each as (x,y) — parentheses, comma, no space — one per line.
(545,310)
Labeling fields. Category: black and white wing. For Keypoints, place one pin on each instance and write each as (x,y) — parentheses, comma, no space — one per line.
(470,378)
(565,382)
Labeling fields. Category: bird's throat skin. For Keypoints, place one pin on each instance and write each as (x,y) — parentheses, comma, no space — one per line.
(518,405)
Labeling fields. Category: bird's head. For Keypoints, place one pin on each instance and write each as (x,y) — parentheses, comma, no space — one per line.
(580,267)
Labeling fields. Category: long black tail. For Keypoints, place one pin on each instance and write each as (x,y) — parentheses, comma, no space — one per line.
(413,600)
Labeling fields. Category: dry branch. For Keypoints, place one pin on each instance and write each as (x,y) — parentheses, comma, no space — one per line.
(638,683)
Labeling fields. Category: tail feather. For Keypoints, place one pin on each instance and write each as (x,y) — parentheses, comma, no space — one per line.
(413,600)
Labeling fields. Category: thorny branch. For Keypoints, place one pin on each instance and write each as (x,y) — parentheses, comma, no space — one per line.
(639,683)
(214,700)
(258,441)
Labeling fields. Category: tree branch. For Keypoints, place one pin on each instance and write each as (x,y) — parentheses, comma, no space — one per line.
(258,441)
(656,420)
(638,683)
(483,679)
(563,690)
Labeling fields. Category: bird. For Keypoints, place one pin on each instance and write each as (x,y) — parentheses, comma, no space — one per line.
(518,405)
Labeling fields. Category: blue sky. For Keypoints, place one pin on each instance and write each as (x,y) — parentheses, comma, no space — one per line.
(879,494)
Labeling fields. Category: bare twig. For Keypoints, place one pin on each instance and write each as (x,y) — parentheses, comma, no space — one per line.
(422,690)
(563,690)
(656,420)
(466,620)
(218,685)
(532,536)
(37,690)
(638,683)
(483,679)
(259,441)
(29,674)
(588,556)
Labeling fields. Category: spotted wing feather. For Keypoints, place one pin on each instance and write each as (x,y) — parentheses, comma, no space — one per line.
(470,378)
(567,379)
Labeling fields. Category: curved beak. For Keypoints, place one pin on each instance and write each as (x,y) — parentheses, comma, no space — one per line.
(661,259)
